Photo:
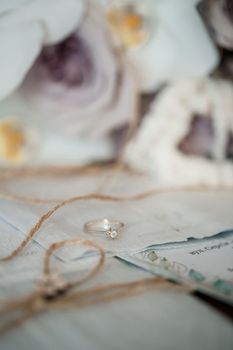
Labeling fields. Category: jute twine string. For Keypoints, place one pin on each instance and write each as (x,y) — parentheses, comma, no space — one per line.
(61,171)
(53,292)
(101,196)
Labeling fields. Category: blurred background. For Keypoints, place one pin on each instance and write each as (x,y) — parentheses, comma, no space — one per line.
(85,82)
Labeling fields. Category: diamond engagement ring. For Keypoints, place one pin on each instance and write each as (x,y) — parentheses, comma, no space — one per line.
(111,228)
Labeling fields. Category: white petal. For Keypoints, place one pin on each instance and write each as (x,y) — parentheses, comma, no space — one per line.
(58,17)
(20,45)
(57,149)
(179,47)
(9,5)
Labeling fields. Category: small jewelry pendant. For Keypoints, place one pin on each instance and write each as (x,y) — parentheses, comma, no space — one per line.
(112,233)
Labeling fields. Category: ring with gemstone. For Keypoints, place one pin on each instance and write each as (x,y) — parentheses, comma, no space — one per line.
(110,227)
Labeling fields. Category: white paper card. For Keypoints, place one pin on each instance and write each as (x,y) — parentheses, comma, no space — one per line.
(207,265)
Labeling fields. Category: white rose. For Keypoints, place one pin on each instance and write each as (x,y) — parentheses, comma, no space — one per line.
(67,76)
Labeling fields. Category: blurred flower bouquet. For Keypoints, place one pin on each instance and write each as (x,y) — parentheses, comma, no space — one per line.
(76,74)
